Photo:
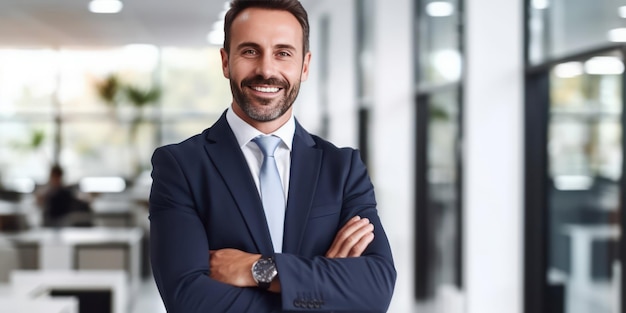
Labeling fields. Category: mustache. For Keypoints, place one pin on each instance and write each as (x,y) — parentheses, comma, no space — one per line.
(260,80)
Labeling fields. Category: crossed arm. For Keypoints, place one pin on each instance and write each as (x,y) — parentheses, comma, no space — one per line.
(233,267)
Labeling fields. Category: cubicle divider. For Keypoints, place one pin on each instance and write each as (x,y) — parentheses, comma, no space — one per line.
(73,262)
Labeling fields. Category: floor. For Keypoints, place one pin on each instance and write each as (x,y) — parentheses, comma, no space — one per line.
(148,299)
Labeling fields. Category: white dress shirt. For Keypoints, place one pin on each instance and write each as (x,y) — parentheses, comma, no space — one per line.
(245,133)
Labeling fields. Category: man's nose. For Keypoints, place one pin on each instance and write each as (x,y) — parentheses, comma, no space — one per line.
(266,66)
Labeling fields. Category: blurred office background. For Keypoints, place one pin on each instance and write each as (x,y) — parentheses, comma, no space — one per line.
(493,131)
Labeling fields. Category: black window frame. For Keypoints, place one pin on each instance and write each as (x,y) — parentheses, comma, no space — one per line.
(423,234)
(537,292)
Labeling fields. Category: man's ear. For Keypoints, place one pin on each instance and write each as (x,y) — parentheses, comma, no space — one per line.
(305,66)
(225,70)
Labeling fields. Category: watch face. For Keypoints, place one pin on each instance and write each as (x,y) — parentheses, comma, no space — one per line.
(264,270)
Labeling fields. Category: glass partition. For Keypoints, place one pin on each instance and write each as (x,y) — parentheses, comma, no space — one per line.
(193,82)
(365,77)
(585,159)
(26,149)
(52,108)
(443,181)
(438,57)
(558,28)
(28,82)
(438,192)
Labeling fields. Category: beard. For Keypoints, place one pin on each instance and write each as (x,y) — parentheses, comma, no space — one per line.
(264,110)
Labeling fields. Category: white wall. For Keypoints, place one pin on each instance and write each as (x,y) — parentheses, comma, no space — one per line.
(493,146)
(393,140)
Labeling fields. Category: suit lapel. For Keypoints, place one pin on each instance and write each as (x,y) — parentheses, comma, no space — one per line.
(306,161)
(229,161)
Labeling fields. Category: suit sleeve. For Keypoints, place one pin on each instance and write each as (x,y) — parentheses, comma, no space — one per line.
(179,250)
(360,284)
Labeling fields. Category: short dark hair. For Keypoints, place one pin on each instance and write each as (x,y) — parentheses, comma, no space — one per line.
(292,6)
(56,170)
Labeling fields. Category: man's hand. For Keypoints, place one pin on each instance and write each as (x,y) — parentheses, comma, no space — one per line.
(233,267)
(352,239)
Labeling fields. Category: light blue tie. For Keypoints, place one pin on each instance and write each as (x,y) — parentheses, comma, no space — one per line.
(272,193)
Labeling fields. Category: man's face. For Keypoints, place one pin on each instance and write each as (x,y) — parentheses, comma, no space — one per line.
(265,65)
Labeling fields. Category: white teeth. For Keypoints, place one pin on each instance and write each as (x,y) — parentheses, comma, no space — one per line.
(266,89)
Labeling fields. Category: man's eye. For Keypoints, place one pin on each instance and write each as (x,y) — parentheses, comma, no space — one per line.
(284,54)
(249,52)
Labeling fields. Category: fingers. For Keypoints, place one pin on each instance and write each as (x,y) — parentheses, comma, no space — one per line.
(353,244)
(352,239)
(362,244)
(337,242)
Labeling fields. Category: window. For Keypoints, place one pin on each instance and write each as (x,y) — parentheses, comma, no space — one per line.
(51,110)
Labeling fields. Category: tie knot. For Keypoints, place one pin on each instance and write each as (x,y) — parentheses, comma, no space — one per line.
(267,144)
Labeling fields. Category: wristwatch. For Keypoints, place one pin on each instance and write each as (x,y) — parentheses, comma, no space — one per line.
(264,271)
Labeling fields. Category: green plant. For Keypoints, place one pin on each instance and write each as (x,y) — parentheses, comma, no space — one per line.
(113,91)
(36,139)
(108,89)
(33,143)
(140,98)
(438,113)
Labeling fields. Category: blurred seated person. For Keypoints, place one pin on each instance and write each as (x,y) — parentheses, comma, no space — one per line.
(60,204)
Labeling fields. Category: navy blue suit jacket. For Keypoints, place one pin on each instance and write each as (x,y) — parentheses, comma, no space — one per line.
(204,197)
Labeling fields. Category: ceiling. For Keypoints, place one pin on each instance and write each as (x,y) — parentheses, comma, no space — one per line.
(68,23)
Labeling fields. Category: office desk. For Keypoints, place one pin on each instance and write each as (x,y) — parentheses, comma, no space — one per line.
(582,238)
(13,216)
(113,213)
(83,249)
(46,305)
(117,209)
(35,285)
(585,294)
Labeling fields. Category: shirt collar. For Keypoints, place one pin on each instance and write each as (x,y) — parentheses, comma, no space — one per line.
(244,132)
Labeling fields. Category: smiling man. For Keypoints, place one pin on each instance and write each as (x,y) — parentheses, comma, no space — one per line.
(255,214)
(265,71)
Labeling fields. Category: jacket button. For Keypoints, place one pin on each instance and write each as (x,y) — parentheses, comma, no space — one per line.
(316,303)
(297,303)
